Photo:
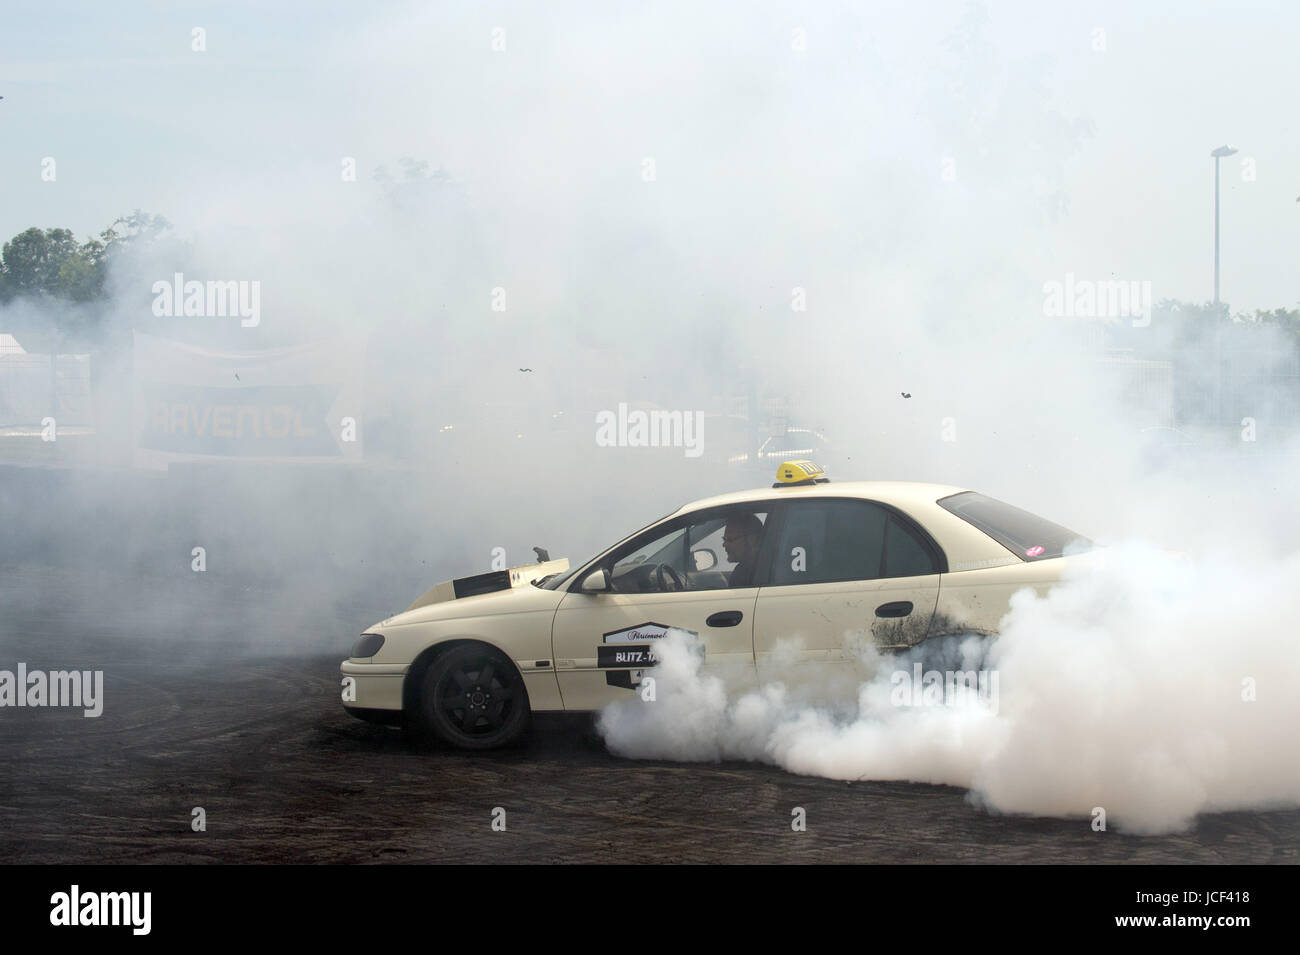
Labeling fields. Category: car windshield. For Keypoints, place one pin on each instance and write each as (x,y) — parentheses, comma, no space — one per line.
(661,550)
(555,583)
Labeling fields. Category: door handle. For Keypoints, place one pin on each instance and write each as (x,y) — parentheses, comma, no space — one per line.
(899,608)
(725,618)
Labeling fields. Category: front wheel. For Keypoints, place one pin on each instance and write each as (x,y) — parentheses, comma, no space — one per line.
(474,698)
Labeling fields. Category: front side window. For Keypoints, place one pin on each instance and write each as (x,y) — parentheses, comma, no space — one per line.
(709,551)
(729,549)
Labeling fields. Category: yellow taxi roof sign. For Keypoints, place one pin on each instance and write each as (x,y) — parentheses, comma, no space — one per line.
(800,472)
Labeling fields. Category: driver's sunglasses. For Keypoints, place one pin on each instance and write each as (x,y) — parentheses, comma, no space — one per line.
(735,537)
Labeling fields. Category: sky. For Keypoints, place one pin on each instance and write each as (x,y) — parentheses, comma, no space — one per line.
(135,118)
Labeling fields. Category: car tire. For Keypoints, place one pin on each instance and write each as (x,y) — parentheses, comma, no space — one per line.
(473,698)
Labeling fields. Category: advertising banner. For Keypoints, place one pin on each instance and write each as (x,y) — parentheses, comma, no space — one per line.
(293,404)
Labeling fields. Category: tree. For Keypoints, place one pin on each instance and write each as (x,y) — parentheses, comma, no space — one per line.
(49,262)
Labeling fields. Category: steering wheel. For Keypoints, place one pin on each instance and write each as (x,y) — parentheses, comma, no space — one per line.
(667,579)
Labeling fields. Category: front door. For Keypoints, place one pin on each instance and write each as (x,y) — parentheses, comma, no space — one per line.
(690,573)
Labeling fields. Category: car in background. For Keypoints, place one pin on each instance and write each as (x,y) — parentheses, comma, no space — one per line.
(825,564)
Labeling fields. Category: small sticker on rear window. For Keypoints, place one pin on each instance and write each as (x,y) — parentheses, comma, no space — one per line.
(1034,551)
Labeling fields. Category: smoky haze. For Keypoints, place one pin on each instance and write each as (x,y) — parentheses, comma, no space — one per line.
(681,209)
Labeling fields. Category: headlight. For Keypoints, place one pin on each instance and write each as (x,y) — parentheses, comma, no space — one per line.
(367,645)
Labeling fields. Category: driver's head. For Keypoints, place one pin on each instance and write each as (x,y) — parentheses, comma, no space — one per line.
(740,537)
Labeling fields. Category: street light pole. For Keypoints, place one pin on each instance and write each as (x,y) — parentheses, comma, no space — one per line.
(1218,154)
(1216,230)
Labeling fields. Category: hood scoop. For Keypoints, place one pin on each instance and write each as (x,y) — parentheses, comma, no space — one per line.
(491,582)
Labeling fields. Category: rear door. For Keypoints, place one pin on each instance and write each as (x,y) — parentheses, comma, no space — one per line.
(844,571)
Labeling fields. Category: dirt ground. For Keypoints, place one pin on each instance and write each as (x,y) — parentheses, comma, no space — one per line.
(283,774)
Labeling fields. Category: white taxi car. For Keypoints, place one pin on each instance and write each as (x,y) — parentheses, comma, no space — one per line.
(805,559)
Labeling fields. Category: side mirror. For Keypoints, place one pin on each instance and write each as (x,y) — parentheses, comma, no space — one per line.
(596,582)
(704,558)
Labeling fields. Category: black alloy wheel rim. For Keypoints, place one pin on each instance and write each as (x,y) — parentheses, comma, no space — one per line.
(475,698)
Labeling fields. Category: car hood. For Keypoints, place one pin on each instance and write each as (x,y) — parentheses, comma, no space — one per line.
(498,591)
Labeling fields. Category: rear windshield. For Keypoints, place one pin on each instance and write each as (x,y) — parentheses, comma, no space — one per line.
(1026,535)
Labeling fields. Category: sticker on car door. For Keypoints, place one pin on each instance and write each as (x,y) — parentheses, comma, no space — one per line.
(629,652)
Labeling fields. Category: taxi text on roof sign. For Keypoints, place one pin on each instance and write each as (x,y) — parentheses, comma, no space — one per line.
(800,472)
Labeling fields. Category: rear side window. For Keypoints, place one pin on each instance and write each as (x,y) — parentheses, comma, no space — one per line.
(905,555)
(832,540)
(1026,535)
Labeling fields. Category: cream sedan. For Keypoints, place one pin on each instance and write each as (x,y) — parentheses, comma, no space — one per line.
(820,563)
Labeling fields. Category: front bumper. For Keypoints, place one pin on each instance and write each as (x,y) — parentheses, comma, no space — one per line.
(376,686)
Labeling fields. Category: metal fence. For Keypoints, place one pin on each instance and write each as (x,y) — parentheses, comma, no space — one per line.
(1208,388)
(30,389)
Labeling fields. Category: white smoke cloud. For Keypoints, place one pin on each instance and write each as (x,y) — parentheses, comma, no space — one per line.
(1154,686)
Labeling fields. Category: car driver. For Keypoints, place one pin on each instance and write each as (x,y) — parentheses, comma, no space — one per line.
(740,540)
